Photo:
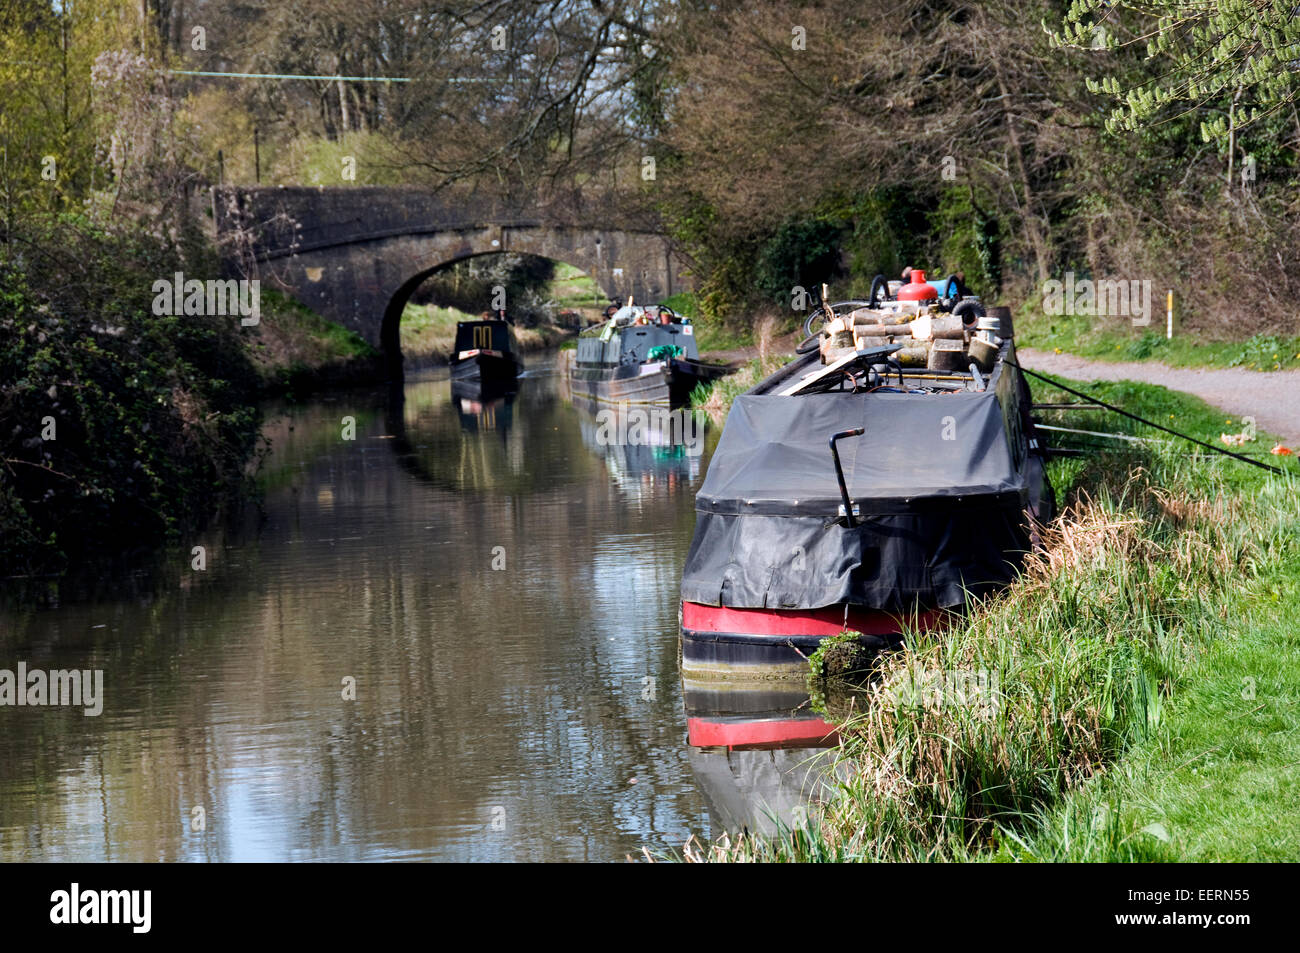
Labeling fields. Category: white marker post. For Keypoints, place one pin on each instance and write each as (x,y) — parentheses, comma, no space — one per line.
(1169,315)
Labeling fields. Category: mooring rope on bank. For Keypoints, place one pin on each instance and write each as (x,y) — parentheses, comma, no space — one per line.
(1150,423)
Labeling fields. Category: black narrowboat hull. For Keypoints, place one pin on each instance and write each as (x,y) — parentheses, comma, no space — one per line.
(482,392)
(661,383)
(486,369)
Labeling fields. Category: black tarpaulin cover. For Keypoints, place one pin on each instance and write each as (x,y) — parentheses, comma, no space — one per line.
(939,492)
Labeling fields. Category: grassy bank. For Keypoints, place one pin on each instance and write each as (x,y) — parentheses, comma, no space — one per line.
(573,290)
(295,351)
(1143,678)
(715,397)
(428,333)
(1110,340)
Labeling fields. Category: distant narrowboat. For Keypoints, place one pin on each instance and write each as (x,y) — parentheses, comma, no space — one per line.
(485,355)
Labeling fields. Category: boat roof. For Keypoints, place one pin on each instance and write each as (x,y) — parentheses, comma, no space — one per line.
(919,446)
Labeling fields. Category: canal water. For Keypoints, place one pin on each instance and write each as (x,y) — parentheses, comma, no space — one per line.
(452,637)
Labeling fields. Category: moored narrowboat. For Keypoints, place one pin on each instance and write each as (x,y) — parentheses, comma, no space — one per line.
(640,356)
(875,484)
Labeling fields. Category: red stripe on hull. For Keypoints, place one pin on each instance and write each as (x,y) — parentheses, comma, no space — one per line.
(827,621)
(792,733)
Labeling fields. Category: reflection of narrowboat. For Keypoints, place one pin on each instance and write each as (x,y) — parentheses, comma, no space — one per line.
(640,356)
(647,450)
(875,483)
(759,755)
(480,412)
(485,354)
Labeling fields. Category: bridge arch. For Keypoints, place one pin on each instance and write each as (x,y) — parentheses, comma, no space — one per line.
(349,253)
(390,326)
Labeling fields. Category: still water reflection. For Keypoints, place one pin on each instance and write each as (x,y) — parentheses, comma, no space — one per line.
(500,588)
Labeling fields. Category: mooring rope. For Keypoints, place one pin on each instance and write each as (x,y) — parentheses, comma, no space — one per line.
(1150,423)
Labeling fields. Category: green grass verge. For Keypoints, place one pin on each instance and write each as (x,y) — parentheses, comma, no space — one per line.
(1109,341)
(1220,779)
(573,289)
(430,331)
(684,303)
(715,397)
(334,340)
(1142,675)
(295,350)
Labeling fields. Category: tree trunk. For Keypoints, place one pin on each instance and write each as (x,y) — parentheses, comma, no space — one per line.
(360,107)
(1033,229)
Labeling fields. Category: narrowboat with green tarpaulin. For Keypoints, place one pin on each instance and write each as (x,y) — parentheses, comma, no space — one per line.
(640,356)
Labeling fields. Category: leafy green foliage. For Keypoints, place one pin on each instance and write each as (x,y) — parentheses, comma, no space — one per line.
(469,285)
(1234,54)
(683,303)
(1145,346)
(118,427)
(1265,352)
(969,240)
(888,231)
(837,656)
(802,253)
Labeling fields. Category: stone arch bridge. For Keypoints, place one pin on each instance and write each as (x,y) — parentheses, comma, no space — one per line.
(355,254)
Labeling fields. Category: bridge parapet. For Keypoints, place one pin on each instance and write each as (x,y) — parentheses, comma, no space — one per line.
(278,221)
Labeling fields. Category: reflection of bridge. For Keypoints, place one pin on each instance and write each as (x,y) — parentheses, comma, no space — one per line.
(356,254)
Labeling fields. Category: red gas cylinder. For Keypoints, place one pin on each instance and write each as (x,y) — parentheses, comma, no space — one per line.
(918,290)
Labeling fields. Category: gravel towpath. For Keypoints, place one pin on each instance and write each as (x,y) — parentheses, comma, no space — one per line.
(1271,397)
